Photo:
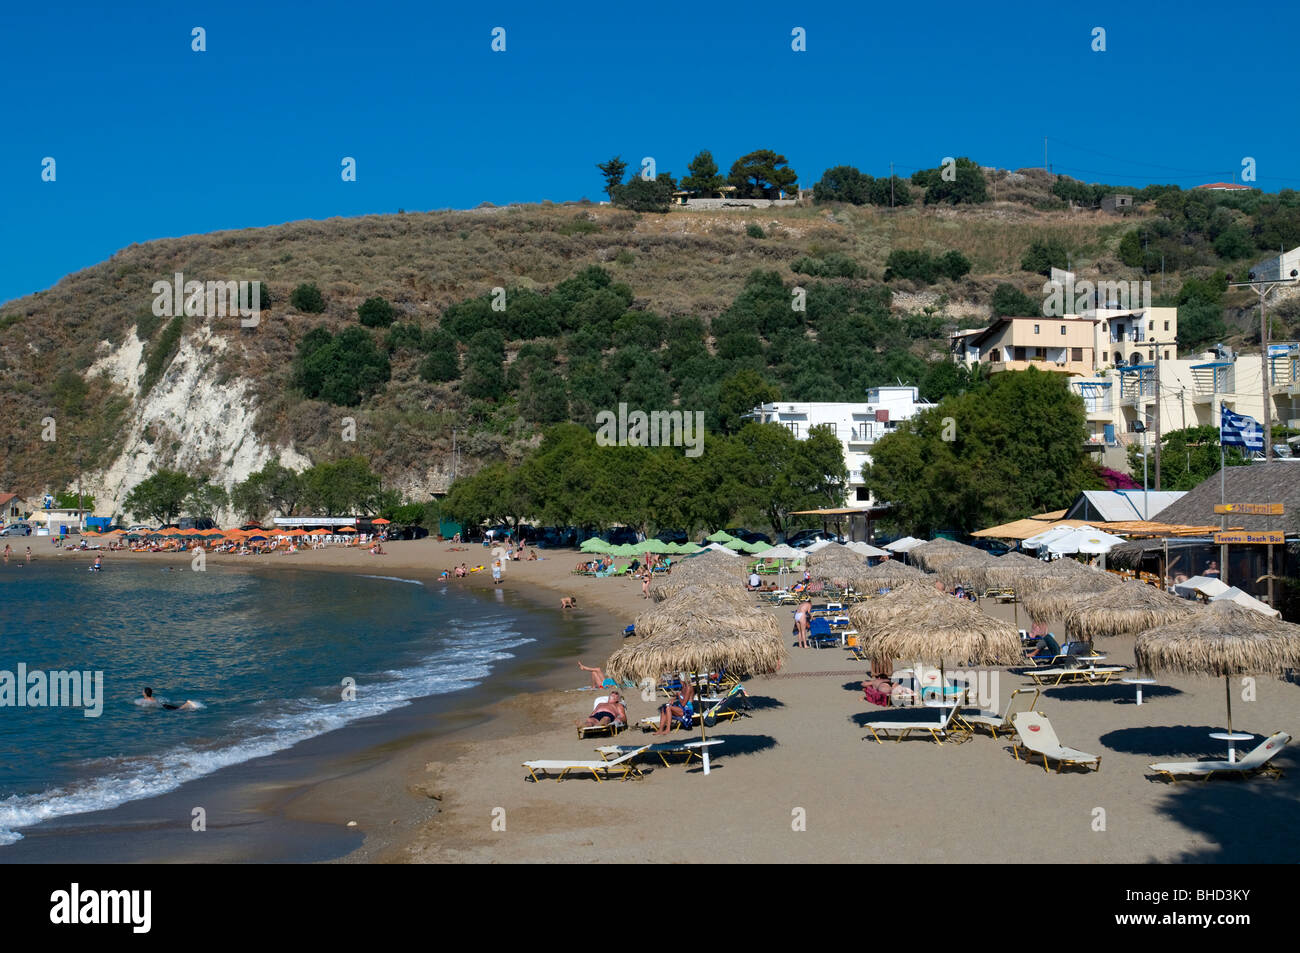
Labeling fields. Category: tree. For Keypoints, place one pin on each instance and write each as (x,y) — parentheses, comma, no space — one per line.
(964,183)
(843,183)
(739,394)
(342,369)
(704,175)
(1005,449)
(1188,457)
(160,497)
(1045,254)
(376,313)
(274,487)
(308,299)
(760,175)
(613,171)
(640,195)
(206,500)
(344,486)
(1010,301)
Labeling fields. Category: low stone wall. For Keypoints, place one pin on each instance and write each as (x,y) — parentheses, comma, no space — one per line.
(736,203)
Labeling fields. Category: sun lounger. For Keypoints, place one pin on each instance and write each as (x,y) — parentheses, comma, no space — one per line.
(820,634)
(610,727)
(622,766)
(1022,699)
(1076,675)
(1036,734)
(1260,760)
(663,749)
(726,708)
(935,726)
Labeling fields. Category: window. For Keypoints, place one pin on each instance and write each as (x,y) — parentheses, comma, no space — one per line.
(794,428)
(1166,325)
(1076,354)
(1166,355)
(1063,329)
(1035,329)
(863,494)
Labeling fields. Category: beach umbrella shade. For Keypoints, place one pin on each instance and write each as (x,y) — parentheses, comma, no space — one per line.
(782,551)
(653,546)
(381,522)
(1049,536)
(758,546)
(594,545)
(889,574)
(720,537)
(938,553)
(969,570)
(345,529)
(819,545)
(906,544)
(920,623)
(1082,540)
(737,545)
(1063,587)
(865,549)
(1125,609)
(711,567)
(1016,571)
(1221,639)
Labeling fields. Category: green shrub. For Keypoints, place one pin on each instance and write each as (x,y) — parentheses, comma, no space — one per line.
(307,299)
(754,230)
(376,313)
(160,354)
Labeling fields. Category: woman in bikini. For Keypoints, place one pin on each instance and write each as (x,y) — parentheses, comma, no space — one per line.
(801,616)
(681,707)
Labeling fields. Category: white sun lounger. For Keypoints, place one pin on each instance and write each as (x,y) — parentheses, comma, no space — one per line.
(1261,760)
(1022,699)
(662,749)
(1036,734)
(1091,675)
(935,727)
(622,766)
(613,727)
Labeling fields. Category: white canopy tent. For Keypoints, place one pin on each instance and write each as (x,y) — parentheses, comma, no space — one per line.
(1244,599)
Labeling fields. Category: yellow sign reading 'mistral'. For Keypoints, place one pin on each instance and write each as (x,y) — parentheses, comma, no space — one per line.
(1265,538)
(1249,509)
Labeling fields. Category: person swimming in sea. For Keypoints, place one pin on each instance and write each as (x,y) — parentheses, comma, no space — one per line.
(187,706)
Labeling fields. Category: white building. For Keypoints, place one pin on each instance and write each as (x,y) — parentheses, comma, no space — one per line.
(858,426)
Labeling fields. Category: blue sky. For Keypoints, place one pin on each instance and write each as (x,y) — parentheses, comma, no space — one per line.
(153,140)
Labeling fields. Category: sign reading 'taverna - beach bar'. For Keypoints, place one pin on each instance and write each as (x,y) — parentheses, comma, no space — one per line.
(1265,537)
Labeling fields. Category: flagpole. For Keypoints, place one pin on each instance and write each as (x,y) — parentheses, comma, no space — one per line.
(1223,498)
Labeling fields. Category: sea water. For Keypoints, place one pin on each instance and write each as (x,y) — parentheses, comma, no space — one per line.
(271,659)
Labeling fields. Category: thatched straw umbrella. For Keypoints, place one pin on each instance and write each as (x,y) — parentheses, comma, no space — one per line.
(700,632)
(710,568)
(968,570)
(1017,571)
(937,553)
(836,563)
(1222,638)
(921,623)
(1063,588)
(1125,609)
(888,574)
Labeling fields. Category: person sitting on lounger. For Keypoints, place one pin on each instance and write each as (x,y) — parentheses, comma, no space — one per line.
(681,707)
(606,713)
(598,679)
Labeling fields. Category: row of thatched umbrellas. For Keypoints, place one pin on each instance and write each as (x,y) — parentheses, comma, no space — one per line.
(706,622)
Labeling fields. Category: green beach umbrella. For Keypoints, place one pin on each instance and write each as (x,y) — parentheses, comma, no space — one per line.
(760,547)
(720,537)
(739,545)
(655,546)
(594,545)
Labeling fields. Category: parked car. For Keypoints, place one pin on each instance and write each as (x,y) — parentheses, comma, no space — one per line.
(16,529)
(672,536)
(621,535)
(748,536)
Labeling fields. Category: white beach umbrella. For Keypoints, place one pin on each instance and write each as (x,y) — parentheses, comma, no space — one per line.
(1050,535)
(1207,586)
(820,544)
(865,549)
(904,544)
(1083,540)
(1233,594)
(722,549)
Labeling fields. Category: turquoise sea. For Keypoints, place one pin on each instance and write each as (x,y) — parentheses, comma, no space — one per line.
(268,657)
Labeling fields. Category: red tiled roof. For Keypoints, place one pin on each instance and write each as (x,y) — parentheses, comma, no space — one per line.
(1231,186)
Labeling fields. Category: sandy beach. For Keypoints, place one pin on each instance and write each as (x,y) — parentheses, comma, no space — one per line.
(796,781)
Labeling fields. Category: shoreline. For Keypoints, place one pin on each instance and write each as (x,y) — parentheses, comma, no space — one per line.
(794,783)
(385,776)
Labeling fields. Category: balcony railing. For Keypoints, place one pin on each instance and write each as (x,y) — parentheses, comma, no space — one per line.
(1284,370)
(1133,386)
(1217,378)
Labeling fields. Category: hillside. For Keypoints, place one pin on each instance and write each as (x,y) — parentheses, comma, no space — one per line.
(131,392)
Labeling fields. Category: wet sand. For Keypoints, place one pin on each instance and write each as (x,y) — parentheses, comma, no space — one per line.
(796,781)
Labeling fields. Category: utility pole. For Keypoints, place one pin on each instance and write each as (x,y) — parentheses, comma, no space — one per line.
(1159,415)
(1262,289)
(891,186)
(80,521)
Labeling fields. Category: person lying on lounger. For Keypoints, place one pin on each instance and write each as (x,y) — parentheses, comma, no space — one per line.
(606,713)
(598,679)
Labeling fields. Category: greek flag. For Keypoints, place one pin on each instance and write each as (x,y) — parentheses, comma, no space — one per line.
(1238,430)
